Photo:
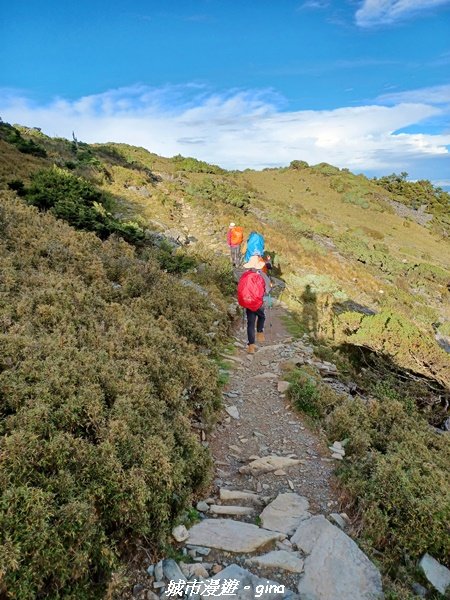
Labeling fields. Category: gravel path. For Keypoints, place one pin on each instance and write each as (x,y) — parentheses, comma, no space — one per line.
(268,425)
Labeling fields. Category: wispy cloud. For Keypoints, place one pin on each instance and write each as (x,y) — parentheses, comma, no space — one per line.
(384,12)
(314,5)
(239,129)
(436,95)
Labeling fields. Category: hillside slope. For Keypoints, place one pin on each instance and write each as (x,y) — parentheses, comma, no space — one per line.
(109,349)
(341,236)
(103,371)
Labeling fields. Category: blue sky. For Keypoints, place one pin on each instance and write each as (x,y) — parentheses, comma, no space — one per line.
(362,84)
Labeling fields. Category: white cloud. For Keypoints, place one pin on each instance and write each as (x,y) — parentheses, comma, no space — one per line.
(438,94)
(314,5)
(384,12)
(239,129)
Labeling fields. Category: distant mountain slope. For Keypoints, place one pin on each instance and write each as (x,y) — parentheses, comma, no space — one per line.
(329,229)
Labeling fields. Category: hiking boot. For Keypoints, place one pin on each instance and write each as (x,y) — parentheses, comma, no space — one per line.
(251,348)
(260,337)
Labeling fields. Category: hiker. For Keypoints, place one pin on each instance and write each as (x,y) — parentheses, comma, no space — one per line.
(255,245)
(254,285)
(235,236)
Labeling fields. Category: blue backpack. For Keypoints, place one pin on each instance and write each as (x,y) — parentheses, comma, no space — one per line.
(255,245)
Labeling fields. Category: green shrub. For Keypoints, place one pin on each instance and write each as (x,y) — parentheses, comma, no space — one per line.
(304,394)
(418,194)
(298,165)
(221,191)
(310,395)
(102,368)
(326,169)
(13,136)
(398,475)
(339,184)
(356,199)
(78,202)
(192,165)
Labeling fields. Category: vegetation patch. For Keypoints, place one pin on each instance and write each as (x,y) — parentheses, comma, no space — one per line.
(355,198)
(420,194)
(395,469)
(397,473)
(103,366)
(222,191)
(12,135)
(325,169)
(310,395)
(393,335)
(192,165)
(298,165)
(76,201)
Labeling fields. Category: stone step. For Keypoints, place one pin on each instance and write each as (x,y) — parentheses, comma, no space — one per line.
(230,495)
(238,511)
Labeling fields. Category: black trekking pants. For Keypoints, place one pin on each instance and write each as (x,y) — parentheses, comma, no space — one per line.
(253,317)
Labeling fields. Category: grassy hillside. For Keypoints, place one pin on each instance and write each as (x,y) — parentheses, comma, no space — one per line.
(354,243)
(107,347)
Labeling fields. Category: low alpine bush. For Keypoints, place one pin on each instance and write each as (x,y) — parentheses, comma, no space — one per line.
(103,366)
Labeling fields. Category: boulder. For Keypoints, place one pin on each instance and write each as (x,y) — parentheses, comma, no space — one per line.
(171,570)
(231,536)
(285,513)
(437,574)
(334,566)
(180,533)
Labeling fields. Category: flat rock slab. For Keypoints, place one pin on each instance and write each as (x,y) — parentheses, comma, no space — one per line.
(231,536)
(279,559)
(219,509)
(229,495)
(249,586)
(335,567)
(232,411)
(266,464)
(438,575)
(285,513)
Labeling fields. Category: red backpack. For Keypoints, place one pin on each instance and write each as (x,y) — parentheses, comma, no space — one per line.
(250,290)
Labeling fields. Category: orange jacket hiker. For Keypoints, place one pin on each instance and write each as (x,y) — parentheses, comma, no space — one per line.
(235,235)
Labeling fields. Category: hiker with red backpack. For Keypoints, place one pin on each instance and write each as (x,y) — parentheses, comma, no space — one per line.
(253,286)
(235,237)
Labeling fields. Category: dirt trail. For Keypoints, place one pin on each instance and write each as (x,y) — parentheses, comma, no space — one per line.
(268,425)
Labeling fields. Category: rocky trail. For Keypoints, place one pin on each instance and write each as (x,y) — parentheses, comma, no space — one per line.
(271,526)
